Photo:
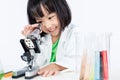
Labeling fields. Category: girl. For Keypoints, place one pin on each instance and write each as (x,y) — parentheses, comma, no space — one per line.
(58,45)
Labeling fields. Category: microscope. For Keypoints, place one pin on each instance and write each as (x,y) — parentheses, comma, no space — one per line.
(32,49)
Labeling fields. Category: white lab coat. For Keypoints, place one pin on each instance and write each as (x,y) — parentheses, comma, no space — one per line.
(66,51)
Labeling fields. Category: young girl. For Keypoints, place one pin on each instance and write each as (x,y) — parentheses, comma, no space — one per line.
(58,47)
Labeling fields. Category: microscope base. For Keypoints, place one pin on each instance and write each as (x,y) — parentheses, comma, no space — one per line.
(19,73)
(31,73)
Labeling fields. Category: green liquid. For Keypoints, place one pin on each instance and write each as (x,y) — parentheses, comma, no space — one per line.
(1,75)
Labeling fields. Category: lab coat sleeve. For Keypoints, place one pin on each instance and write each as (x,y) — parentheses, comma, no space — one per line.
(41,58)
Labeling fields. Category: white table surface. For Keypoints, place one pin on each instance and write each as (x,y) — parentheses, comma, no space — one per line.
(65,75)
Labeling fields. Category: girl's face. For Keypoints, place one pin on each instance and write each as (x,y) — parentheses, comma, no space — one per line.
(49,23)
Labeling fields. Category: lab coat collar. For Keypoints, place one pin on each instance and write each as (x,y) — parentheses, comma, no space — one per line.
(66,32)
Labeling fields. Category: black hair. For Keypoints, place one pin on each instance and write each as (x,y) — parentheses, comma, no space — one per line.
(60,7)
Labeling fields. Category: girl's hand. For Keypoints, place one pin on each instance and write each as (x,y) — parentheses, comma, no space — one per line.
(50,70)
(28,29)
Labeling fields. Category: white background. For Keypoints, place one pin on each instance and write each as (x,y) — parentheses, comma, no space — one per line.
(90,15)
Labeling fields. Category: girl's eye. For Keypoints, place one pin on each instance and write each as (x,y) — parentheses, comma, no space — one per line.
(39,22)
(50,17)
